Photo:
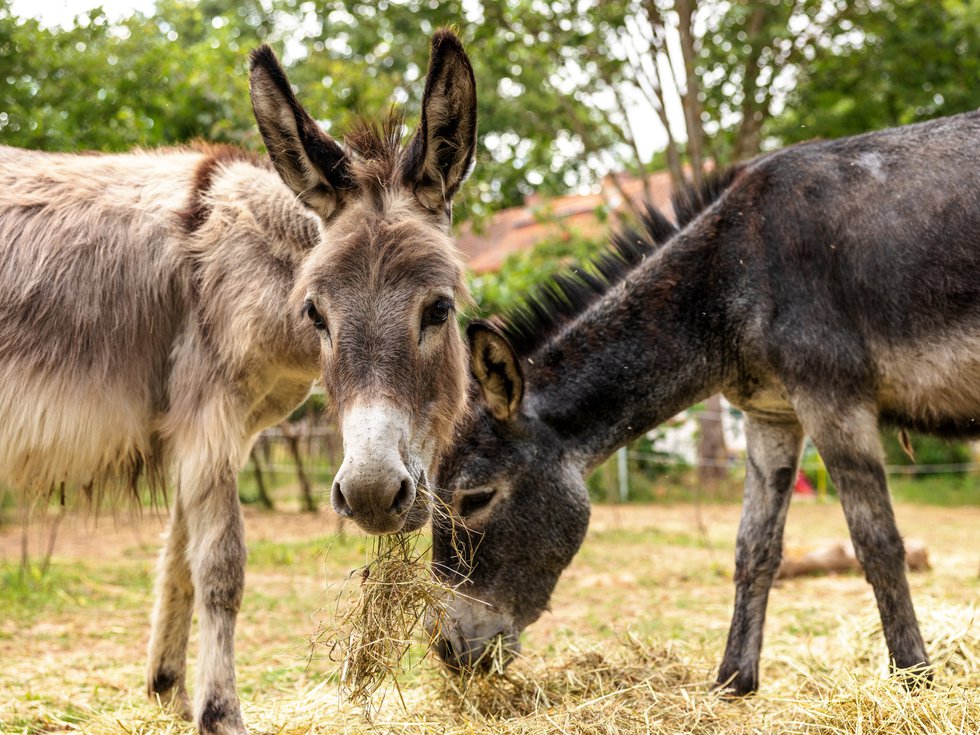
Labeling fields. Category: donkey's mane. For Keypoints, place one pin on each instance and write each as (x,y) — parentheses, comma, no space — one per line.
(216,155)
(377,149)
(557,301)
(691,199)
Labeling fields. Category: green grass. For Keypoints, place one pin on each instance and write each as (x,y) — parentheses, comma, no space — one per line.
(942,490)
(67,587)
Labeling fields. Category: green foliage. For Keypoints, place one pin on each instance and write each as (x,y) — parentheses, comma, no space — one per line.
(178,75)
(928,450)
(890,63)
(554,78)
(181,73)
(945,490)
(521,271)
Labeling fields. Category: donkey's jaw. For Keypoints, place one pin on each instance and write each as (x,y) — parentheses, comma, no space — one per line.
(474,635)
(374,486)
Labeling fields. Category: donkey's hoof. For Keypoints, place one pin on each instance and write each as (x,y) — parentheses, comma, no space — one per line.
(734,684)
(172,696)
(916,676)
(221,717)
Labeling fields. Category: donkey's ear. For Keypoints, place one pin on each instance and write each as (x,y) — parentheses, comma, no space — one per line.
(310,162)
(441,153)
(495,366)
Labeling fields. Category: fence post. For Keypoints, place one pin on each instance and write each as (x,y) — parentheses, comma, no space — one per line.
(623,473)
(260,481)
(292,442)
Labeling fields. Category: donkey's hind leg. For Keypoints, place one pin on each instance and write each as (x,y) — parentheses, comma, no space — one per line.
(849,443)
(174,606)
(773,456)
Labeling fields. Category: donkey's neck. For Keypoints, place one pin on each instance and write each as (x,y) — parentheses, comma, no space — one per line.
(649,349)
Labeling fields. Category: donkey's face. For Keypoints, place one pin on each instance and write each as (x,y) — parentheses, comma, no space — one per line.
(515,512)
(382,288)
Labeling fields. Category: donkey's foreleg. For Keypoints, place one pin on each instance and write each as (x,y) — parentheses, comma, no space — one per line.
(850,446)
(174,606)
(216,552)
(773,456)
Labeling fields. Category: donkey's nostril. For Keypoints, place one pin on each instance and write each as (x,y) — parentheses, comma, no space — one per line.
(339,502)
(445,651)
(405,496)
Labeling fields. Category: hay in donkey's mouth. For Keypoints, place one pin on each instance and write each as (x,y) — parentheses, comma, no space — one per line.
(371,639)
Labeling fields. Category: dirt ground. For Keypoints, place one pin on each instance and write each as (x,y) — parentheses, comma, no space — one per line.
(106,536)
(661,572)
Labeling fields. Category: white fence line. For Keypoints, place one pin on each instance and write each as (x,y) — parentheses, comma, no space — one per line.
(735,462)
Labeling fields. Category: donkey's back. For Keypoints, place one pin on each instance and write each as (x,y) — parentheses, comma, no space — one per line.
(872,268)
(891,216)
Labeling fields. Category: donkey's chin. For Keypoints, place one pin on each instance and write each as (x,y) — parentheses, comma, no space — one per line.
(417,516)
(474,637)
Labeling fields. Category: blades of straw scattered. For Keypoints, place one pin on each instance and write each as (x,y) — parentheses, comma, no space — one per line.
(632,687)
(373,635)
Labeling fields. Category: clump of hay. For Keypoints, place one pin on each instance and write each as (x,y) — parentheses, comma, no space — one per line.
(632,687)
(372,636)
(882,706)
(951,633)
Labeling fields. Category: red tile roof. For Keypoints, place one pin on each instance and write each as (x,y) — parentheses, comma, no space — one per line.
(519,228)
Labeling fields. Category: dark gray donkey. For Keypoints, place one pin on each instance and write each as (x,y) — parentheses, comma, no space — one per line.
(825,289)
(158,309)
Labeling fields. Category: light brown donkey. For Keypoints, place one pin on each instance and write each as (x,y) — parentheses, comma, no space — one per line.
(158,309)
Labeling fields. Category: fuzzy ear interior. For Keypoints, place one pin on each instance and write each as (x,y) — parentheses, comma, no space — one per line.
(441,153)
(496,368)
(310,162)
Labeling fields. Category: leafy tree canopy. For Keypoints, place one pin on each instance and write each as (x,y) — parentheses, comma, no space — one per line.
(566,86)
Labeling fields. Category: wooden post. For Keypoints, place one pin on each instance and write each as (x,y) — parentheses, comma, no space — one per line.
(260,481)
(292,441)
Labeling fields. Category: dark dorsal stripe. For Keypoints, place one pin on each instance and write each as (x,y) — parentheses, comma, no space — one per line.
(564,296)
(196,213)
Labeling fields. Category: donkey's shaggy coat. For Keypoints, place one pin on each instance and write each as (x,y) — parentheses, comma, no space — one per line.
(824,289)
(155,314)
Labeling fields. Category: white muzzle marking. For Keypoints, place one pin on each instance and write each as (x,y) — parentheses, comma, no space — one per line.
(373,486)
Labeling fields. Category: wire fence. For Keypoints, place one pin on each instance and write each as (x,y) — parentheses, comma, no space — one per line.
(309,452)
(739,462)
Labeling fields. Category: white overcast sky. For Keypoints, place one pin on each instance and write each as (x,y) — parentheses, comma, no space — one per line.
(61,12)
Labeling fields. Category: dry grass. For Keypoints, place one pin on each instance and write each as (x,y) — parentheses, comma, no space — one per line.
(377,624)
(637,685)
(632,646)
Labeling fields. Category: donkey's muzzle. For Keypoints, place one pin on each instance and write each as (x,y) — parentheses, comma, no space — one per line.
(460,654)
(373,487)
(378,502)
(472,637)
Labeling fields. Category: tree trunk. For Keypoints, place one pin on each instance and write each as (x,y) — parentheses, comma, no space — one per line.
(748,137)
(691,95)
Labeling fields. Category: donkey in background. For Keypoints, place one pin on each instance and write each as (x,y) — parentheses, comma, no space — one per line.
(824,289)
(158,309)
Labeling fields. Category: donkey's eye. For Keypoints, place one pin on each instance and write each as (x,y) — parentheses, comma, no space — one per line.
(472,502)
(314,316)
(437,312)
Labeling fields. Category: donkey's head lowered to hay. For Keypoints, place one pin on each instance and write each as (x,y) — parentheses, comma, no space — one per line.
(382,290)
